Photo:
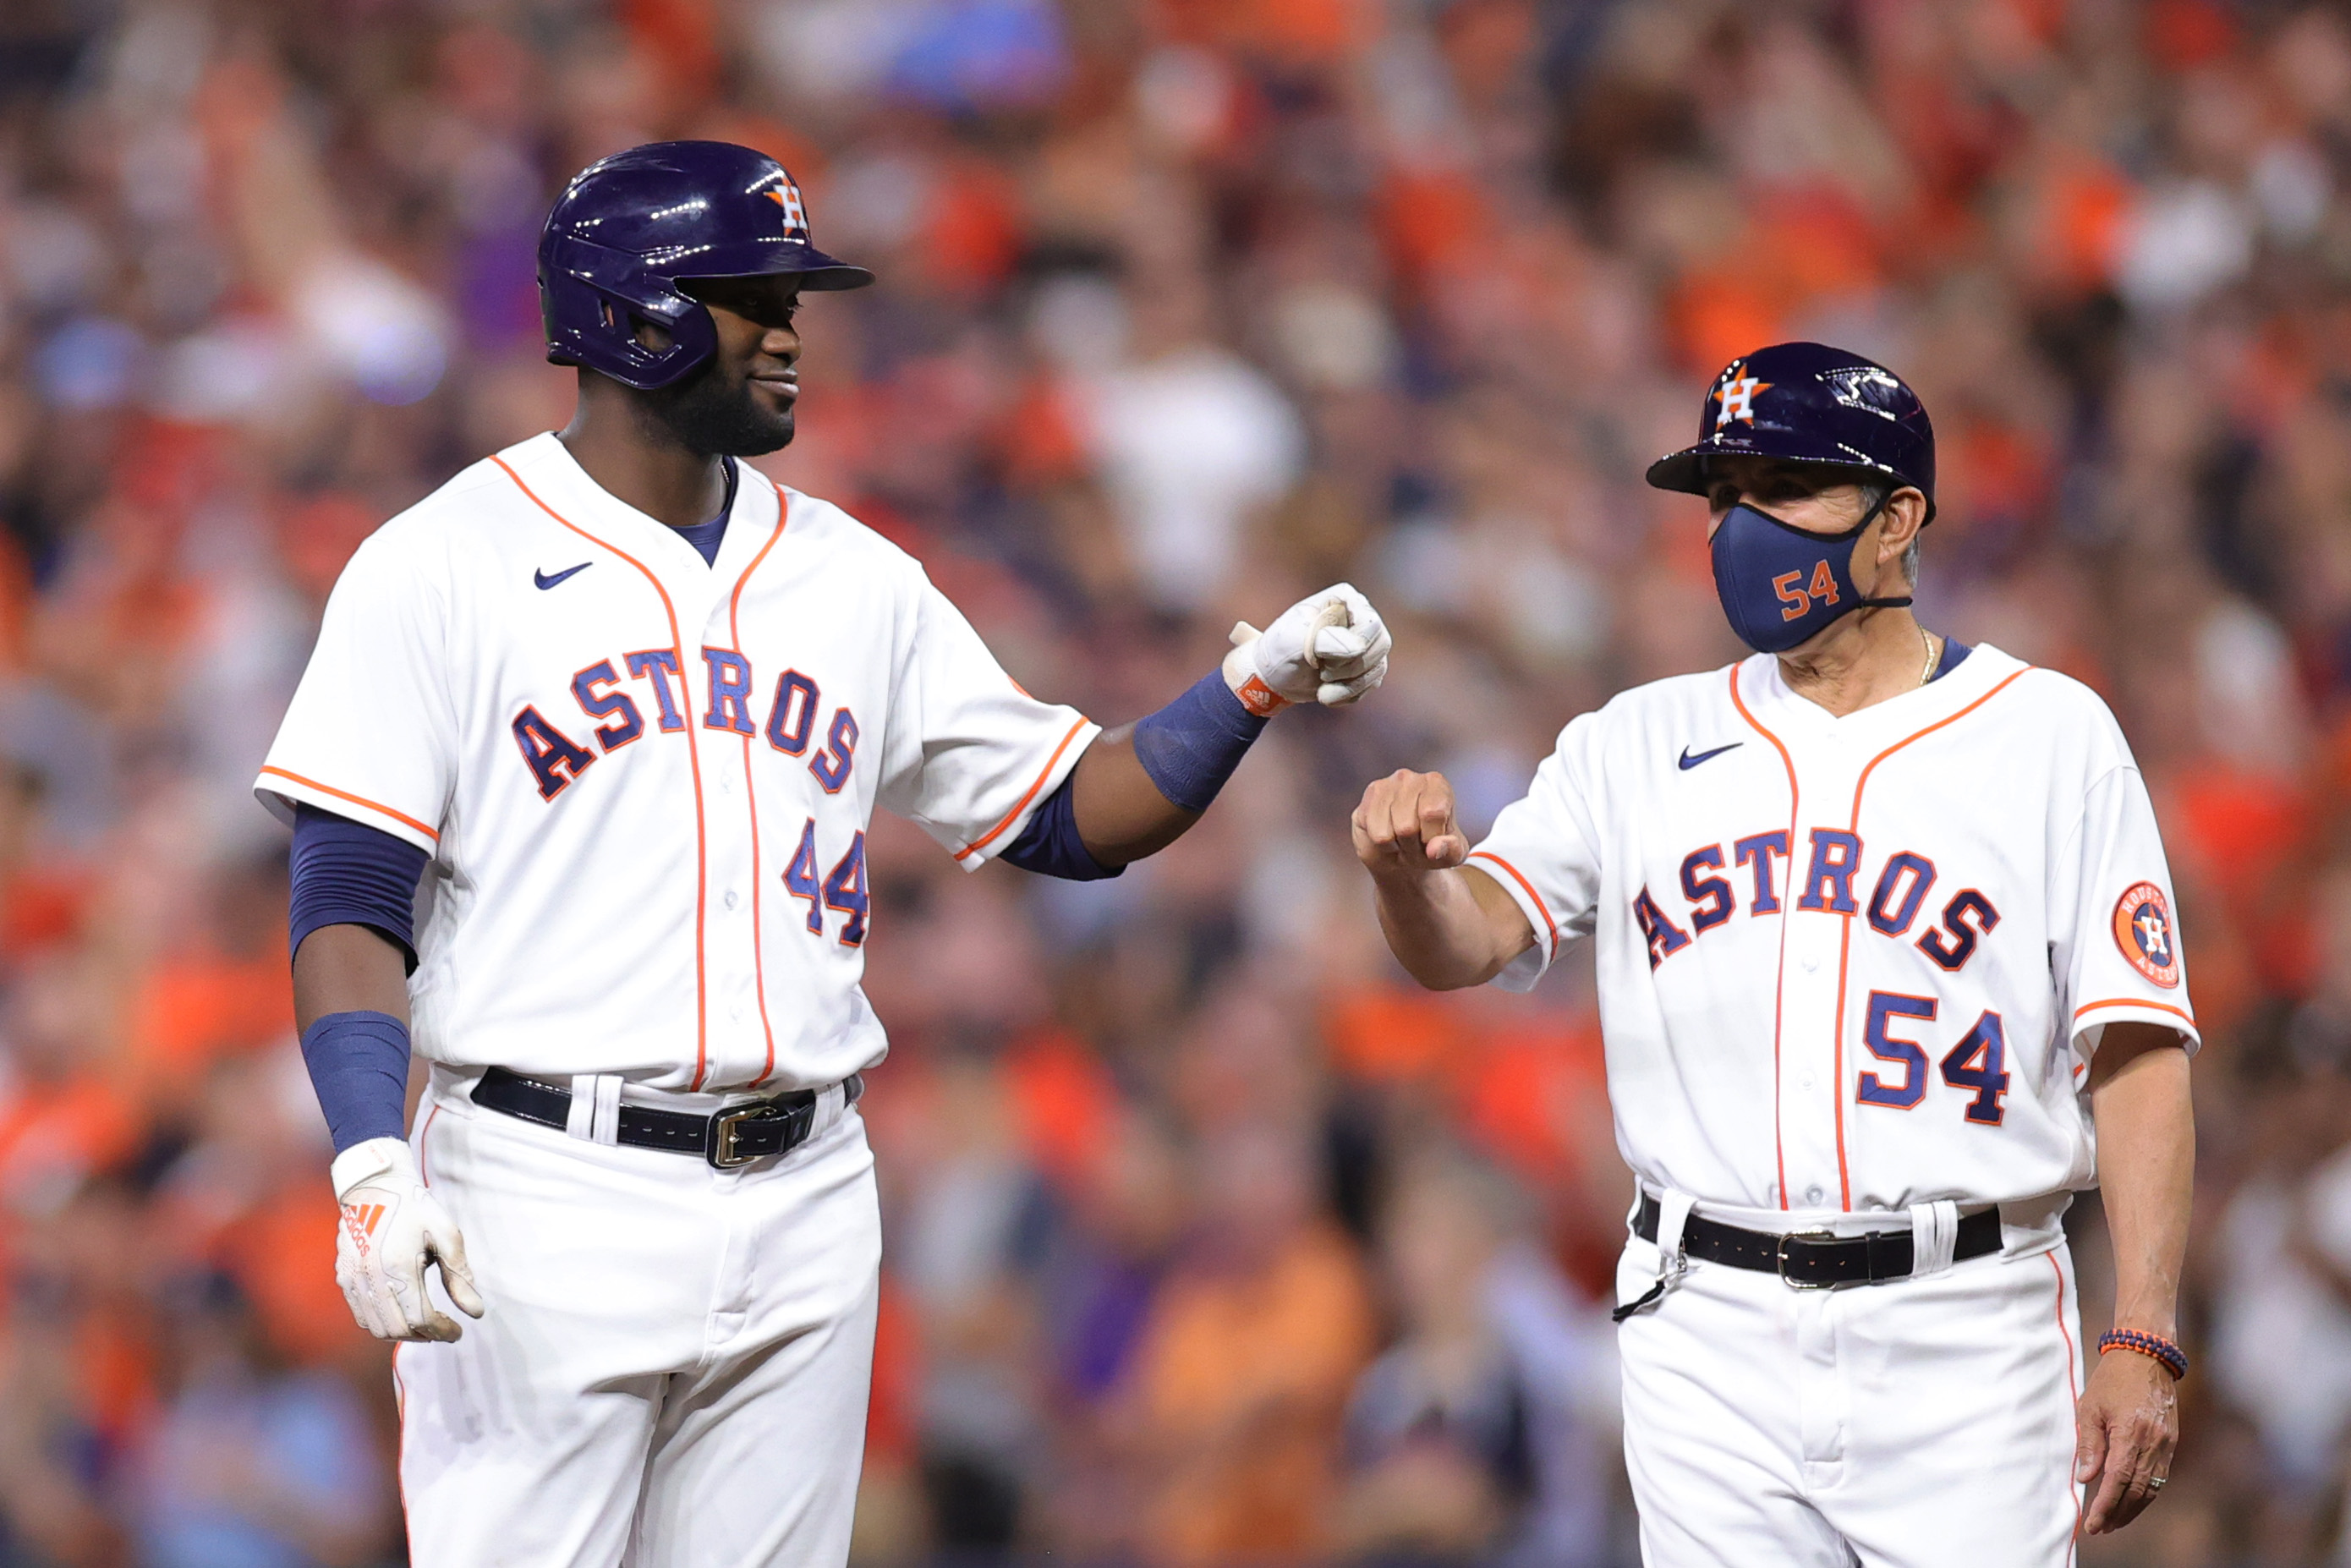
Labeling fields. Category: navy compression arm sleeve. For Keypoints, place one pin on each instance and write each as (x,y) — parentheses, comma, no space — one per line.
(1191,746)
(1049,844)
(347,873)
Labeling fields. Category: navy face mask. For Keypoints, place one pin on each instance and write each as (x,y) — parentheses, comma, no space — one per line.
(1779,585)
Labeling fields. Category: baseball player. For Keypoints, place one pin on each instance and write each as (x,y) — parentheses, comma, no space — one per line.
(625,709)
(1887,973)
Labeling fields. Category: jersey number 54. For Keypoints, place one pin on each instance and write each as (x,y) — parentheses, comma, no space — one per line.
(1976,1066)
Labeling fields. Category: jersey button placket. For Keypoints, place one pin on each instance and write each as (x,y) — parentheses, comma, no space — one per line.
(1807,1048)
(737,1049)
(1810,1090)
(1811,1081)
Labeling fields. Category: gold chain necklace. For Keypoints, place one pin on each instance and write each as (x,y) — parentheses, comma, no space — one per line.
(1926,670)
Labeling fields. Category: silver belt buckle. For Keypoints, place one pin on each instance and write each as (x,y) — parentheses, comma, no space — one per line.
(1780,1257)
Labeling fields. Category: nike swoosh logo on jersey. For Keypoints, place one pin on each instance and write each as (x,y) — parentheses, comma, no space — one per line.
(1689,762)
(544,580)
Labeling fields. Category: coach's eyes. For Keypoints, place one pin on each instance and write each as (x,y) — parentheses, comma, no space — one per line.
(1772,492)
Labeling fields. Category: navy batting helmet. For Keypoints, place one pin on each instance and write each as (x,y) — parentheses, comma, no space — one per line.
(1807,402)
(631,226)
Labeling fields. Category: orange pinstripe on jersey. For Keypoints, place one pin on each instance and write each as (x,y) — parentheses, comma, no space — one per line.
(354,799)
(1520,877)
(400,1450)
(2072,1387)
(423,1148)
(1844,937)
(1021,805)
(694,759)
(2133,1003)
(1780,979)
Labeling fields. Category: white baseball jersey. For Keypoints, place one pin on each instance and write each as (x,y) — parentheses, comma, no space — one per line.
(1851,964)
(645,779)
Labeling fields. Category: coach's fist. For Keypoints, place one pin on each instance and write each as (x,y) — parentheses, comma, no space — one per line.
(1406,825)
(394,1229)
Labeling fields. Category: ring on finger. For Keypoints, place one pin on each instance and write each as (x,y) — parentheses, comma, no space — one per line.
(2155,1483)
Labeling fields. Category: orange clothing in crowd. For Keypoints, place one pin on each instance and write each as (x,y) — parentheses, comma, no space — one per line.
(188,1014)
(54,1136)
(279,1253)
(1239,1385)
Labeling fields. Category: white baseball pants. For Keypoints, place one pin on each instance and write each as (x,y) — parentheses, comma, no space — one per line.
(674,1363)
(1927,1423)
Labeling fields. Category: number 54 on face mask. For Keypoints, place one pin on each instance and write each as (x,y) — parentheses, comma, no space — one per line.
(1780,585)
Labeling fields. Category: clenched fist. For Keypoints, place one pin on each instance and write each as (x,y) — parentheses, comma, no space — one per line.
(1406,826)
(1330,648)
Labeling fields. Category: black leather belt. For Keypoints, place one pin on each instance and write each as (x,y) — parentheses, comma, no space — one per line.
(1815,1260)
(736,1136)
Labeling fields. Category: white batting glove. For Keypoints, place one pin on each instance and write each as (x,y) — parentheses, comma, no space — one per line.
(1330,648)
(393,1227)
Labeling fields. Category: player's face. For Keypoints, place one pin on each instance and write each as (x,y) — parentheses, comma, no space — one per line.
(740,403)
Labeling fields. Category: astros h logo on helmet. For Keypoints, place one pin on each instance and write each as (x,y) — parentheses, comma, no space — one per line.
(1735,395)
(788,196)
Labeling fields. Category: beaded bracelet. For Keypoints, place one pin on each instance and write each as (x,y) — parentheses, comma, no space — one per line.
(2174,1359)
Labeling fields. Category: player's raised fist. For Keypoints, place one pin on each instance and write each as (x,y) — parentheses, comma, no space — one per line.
(1330,648)
(1406,824)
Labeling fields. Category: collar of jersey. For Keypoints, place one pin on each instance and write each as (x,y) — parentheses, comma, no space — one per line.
(1768,697)
(549,468)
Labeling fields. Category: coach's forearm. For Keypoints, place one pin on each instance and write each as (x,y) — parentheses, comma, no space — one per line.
(2146,1159)
(348,968)
(1440,928)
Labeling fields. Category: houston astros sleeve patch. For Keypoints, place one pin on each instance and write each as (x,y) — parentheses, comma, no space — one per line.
(2143,931)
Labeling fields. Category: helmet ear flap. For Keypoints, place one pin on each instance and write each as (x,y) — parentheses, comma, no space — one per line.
(693,342)
(593,300)
(692,336)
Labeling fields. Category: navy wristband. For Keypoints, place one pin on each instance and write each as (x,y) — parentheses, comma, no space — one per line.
(359,1067)
(1191,746)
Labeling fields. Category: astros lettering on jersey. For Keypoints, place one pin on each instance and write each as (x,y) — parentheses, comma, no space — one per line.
(574,714)
(1852,964)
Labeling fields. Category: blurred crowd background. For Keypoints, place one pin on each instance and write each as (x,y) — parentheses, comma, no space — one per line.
(1211,1240)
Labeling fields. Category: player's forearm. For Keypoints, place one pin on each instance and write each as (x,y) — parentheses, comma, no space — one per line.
(1138,789)
(2147,1158)
(350,1001)
(1438,928)
(348,968)
(1122,815)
